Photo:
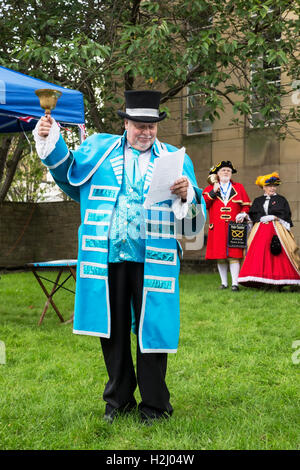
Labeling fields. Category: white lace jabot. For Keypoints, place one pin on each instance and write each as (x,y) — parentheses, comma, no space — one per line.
(46,145)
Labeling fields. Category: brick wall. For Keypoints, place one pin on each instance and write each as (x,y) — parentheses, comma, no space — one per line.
(37,232)
(48,231)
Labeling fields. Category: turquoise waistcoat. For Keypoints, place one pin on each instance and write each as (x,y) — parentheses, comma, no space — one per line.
(127,231)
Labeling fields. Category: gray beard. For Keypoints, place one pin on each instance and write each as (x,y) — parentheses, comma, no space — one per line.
(225,180)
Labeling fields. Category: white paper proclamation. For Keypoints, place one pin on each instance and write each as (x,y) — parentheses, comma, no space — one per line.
(167,169)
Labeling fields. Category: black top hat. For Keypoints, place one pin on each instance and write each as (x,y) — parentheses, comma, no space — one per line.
(222,164)
(142,106)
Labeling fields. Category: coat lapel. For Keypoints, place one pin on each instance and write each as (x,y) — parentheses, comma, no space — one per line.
(149,172)
(117,161)
(231,195)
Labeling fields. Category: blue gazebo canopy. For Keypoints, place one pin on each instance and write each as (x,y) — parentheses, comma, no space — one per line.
(20,107)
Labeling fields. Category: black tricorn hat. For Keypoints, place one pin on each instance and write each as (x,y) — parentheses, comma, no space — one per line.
(220,165)
(142,106)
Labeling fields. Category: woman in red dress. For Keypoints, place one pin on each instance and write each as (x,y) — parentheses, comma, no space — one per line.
(273,257)
(226,201)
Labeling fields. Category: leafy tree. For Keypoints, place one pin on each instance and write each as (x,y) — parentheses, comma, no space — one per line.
(234,51)
(29,183)
(102,47)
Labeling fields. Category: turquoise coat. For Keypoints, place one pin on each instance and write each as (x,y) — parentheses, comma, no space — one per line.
(92,175)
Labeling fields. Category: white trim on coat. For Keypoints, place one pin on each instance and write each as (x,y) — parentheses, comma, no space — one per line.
(51,167)
(96,211)
(95,168)
(93,333)
(117,164)
(90,333)
(145,350)
(93,237)
(102,198)
(92,276)
(160,278)
(162,250)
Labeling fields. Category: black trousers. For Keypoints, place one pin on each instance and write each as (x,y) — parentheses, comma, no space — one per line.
(126,285)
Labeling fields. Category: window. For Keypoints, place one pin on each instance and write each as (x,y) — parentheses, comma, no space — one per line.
(262,72)
(196,110)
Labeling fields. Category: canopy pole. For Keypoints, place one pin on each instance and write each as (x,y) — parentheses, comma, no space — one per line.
(22,128)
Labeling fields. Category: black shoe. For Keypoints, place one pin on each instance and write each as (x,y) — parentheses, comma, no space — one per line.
(150,420)
(235,288)
(111,414)
(223,287)
(109,417)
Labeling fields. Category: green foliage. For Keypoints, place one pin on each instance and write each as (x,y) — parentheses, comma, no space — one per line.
(241,52)
(27,183)
(102,47)
(233,382)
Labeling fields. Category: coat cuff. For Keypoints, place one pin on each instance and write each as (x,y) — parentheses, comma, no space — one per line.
(180,208)
(52,150)
(45,145)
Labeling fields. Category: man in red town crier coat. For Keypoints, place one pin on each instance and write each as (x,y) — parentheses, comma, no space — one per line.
(226,201)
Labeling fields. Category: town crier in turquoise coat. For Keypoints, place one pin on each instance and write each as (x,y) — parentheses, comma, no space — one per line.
(128,256)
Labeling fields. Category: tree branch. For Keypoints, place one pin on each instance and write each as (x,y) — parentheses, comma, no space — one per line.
(11,166)
(180,85)
(4,149)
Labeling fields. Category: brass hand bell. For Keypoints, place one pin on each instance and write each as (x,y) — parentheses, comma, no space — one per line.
(48,98)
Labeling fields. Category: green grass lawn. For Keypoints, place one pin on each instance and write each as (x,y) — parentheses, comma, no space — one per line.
(233,382)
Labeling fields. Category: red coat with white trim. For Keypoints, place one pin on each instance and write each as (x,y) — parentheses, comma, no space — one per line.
(219,216)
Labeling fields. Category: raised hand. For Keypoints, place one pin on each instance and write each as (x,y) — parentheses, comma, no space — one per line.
(45,125)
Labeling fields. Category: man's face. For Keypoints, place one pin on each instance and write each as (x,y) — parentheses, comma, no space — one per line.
(224,174)
(141,135)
